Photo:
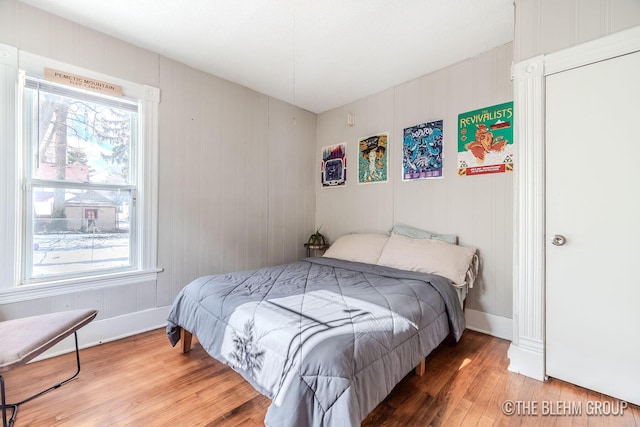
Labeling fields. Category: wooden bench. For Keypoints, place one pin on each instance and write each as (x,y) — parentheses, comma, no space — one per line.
(26,338)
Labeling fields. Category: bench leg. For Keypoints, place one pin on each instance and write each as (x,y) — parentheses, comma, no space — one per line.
(4,403)
(14,406)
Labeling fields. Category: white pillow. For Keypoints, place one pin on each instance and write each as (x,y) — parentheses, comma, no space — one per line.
(360,247)
(427,256)
(417,233)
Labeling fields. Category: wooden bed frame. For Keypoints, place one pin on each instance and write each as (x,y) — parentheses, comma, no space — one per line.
(186,337)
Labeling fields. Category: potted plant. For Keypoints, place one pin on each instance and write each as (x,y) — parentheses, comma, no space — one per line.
(317,239)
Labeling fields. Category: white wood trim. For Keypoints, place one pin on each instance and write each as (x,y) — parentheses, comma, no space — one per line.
(112,329)
(148,178)
(150,93)
(525,358)
(527,351)
(601,49)
(528,307)
(490,324)
(10,223)
(102,331)
(8,55)
(61,287)
(35,65)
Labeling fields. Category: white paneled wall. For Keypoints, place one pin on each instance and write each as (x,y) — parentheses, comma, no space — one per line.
(545,26)
(292,136)
(478,209)
(236,179)
(355,208)
(236,173)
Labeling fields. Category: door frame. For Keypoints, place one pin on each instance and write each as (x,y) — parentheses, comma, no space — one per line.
(527,349)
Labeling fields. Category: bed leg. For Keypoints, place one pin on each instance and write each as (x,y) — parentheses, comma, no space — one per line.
(420,368)
(185,338)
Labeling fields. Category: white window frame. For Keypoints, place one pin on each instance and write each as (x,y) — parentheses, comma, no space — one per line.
(13,288)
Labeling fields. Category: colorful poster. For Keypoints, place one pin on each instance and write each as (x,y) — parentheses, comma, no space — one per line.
(333,167)
(485,140)
(422,151)
(372,159)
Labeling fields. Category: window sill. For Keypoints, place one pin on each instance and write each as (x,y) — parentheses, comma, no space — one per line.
(59,287)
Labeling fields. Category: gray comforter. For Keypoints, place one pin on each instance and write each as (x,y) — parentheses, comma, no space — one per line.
(326,340)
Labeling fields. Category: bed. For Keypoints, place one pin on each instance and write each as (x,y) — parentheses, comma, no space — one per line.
(327,338)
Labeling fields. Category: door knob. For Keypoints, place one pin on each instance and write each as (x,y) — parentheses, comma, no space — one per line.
(558,240)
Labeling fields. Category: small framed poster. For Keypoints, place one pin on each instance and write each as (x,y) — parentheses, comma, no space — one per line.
(485,140)
(372,158)
(333,167)
(422,151)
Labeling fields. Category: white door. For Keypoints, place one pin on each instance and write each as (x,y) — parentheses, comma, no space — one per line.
(593,202)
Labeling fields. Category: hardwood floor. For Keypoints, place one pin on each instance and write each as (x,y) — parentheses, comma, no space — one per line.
(143,381)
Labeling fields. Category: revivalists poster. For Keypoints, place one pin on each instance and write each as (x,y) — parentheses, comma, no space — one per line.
(422,151)
(372,158)
(333,167)
(485,140)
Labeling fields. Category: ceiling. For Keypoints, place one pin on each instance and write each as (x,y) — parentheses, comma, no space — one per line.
(316,54)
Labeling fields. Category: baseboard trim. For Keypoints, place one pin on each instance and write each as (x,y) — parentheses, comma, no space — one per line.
(114,328)
(490,324)
(527,358)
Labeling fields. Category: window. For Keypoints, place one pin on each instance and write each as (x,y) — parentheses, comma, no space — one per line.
(81,170)
(80,181)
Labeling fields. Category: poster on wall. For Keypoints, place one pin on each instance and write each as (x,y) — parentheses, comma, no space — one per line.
(372,158)
(422,151)
(333,167)
(485,140)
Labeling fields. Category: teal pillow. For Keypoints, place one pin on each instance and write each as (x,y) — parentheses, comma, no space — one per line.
(417,233)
